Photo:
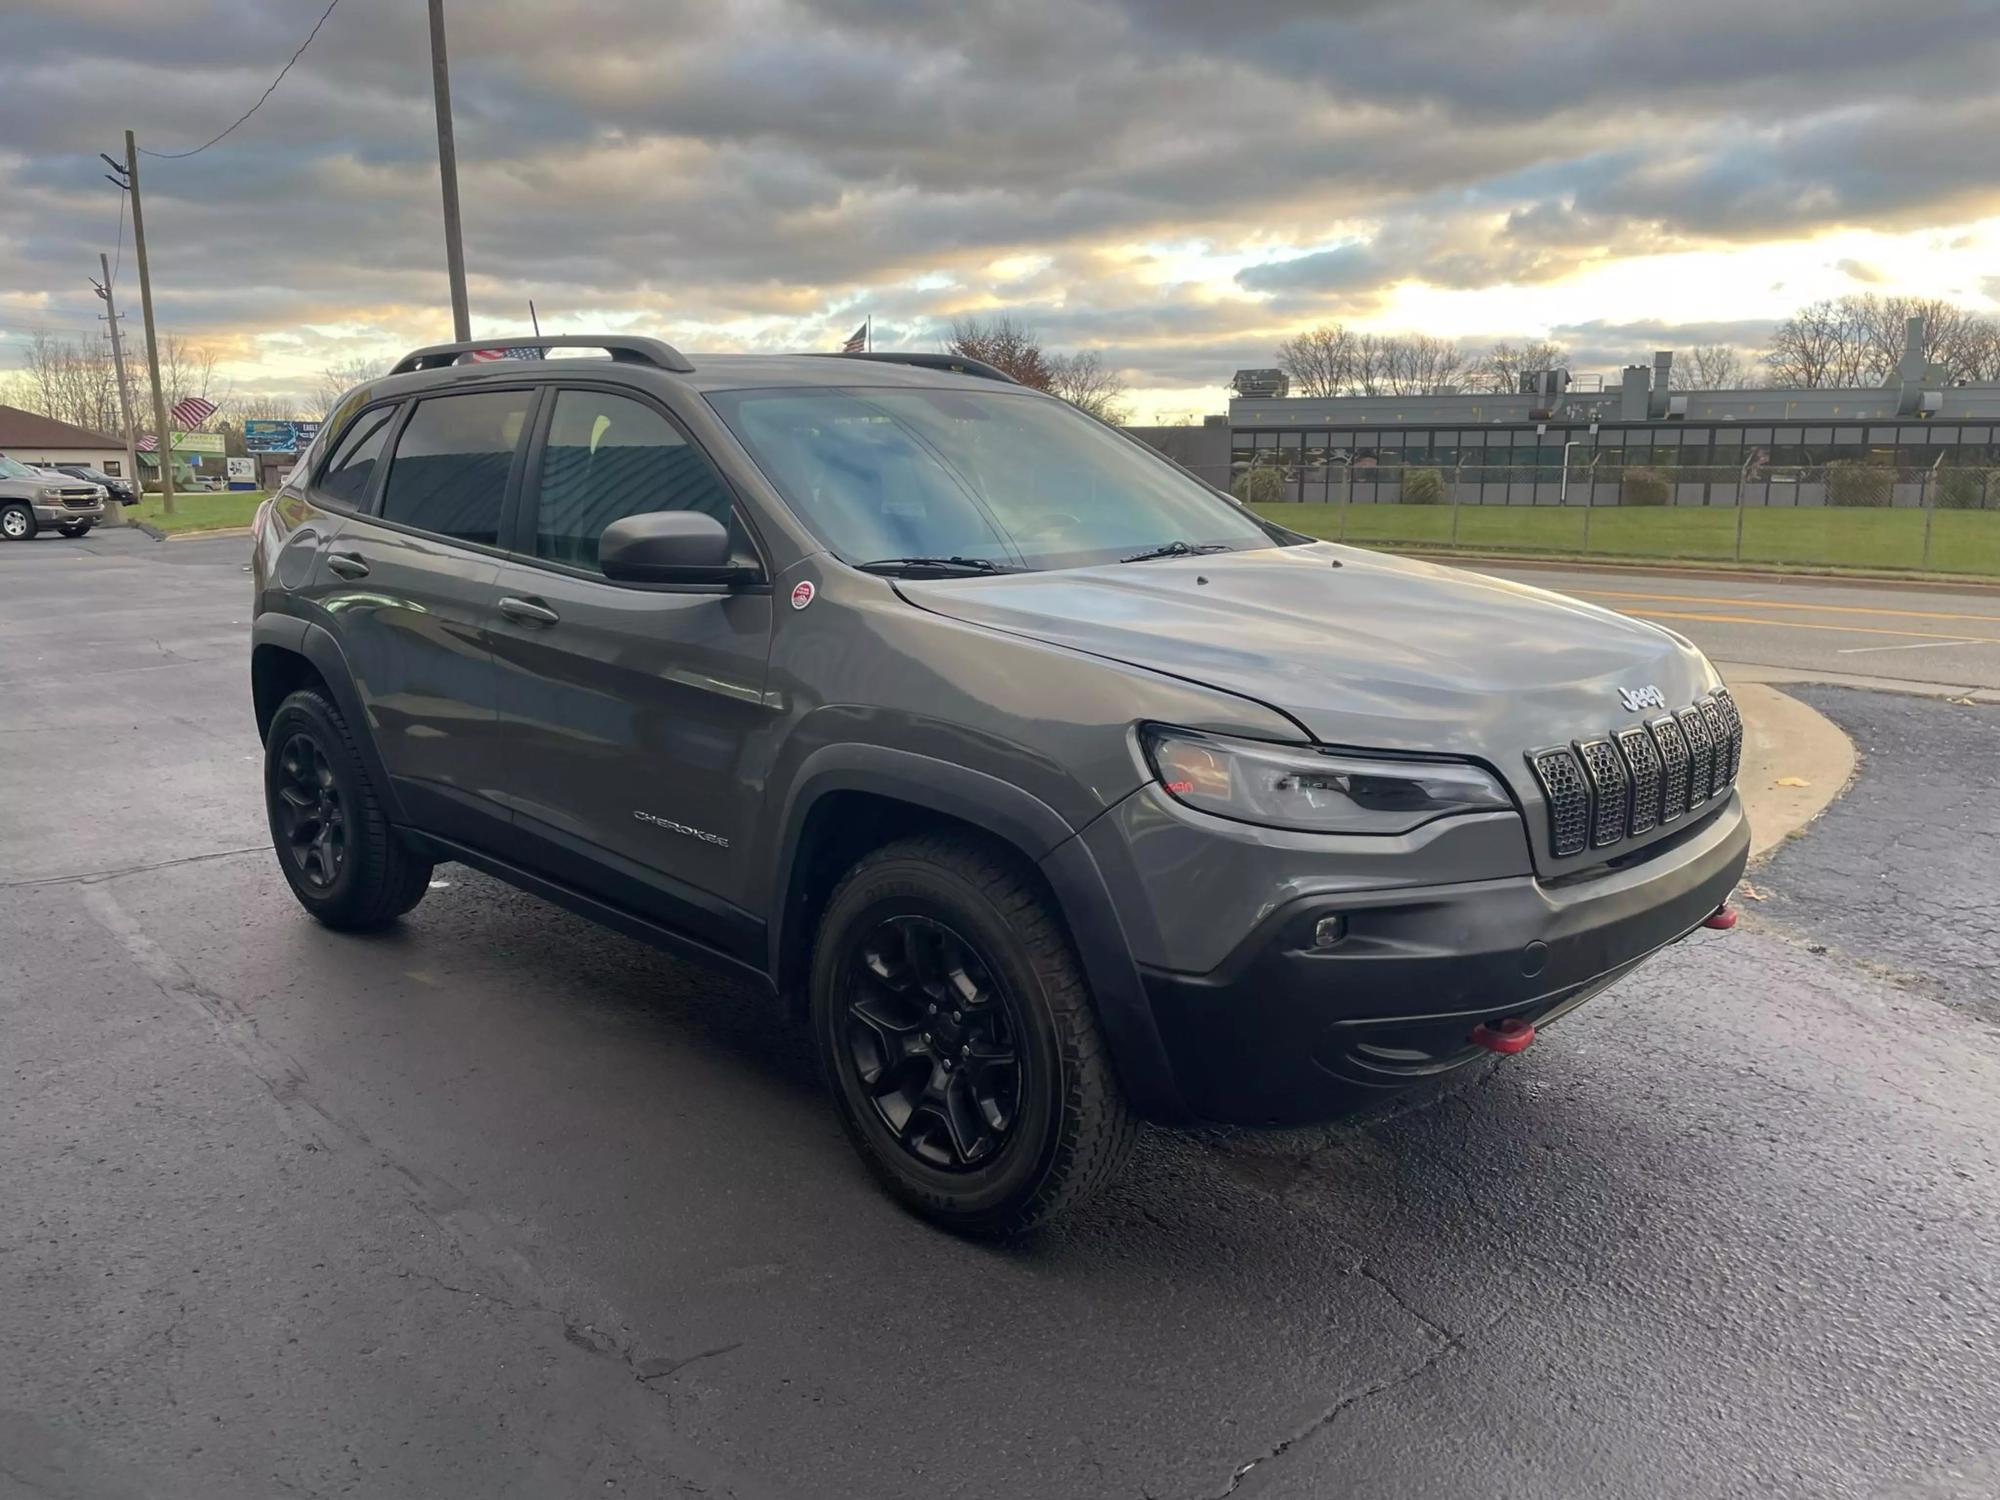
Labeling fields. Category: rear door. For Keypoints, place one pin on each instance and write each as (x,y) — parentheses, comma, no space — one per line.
(628,709)
(408,582)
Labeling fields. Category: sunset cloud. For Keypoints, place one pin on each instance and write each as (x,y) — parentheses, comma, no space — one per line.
(1176,184)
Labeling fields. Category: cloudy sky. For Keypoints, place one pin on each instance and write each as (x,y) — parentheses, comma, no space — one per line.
(1175,183)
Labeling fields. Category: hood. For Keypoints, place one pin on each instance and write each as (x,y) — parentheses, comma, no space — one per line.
(1362,649)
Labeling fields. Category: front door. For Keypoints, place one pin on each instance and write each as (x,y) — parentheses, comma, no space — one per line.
(409,589)
(628,710)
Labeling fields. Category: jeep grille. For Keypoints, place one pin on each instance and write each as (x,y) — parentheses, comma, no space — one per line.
(1602,791)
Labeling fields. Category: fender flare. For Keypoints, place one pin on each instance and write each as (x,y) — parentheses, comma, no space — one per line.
(1041,835)
(316,644)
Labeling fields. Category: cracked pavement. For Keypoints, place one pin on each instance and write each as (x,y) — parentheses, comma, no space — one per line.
(501,1204)
(1904,874)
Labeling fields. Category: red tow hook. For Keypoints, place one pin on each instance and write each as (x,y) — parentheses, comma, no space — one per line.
(1722,918)
(1507,1037)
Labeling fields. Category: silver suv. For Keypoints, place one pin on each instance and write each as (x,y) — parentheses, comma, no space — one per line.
(1052,788)
(32,498)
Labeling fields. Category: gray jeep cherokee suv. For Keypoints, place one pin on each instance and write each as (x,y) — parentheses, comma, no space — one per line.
(1054,788)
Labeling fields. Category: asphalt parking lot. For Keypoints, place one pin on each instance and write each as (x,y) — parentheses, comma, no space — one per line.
(503,1204)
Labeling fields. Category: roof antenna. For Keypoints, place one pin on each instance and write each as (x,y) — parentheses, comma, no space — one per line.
(533,319)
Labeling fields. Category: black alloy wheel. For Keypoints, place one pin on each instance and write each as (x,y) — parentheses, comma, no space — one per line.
(343,859)
(311,819)
(958,1039)
(933,1042)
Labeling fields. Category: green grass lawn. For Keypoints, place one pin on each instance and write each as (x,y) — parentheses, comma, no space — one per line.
(199,512)
(1961,541)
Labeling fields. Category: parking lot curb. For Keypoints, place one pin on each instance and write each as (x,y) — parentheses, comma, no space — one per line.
(1796,763)
(205,535)
(1746,672)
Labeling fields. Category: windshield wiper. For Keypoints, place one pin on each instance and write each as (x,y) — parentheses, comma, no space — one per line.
(1177,549)
(954,564)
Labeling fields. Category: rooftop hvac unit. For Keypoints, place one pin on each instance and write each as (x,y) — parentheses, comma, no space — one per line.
(1261,383)
(1548,384)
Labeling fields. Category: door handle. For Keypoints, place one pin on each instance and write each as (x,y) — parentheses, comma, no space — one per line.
(528,611)
(346,564)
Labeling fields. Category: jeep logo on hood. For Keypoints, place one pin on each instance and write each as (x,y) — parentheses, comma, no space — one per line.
(1636,700)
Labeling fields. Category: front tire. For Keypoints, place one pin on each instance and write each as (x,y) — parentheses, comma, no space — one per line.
(17,523)
(340,856)
(957,1037)
(79,528)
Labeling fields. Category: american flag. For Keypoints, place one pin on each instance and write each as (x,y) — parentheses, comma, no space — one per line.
(526,351)
(857,341)
(148,444)
(191,412)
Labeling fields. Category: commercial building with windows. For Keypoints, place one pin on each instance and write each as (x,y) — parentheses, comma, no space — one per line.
(1556,444)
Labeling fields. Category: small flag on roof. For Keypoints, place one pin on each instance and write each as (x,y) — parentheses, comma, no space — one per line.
(857,341)
(523,351)
(191,412)
(149,444)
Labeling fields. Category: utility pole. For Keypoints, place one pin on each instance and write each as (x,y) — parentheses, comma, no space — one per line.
(124,389)
(454,247)
(165,436)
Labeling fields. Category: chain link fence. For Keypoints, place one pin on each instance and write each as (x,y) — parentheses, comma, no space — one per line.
(1842,514)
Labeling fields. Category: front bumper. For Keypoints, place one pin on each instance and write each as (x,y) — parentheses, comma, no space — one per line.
(58,514)
(1284,1033)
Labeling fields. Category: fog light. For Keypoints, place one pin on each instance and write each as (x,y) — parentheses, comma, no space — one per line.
(1328,931)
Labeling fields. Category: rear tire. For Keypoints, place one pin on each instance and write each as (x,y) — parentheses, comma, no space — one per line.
(17,523)
(339,853)
(957,1036)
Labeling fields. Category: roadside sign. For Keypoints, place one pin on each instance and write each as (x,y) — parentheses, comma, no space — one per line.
(242,468)
(261,435)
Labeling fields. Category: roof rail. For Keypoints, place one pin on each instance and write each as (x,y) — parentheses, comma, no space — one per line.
(958,364)
(624,348)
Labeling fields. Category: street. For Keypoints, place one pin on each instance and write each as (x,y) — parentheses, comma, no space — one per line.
(500,1203)
(1804,628)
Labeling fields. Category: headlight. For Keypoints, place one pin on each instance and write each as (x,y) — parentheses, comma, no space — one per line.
(52,492)
(1290,786)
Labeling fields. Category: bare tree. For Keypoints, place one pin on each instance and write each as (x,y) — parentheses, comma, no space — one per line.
(190,370)
(71,382)
(336,380)
(1089,384)
(1005,345)
(1820,345)
(1368,374)
(1421,365)
(1319,361)
(1332,360)
(1953,338)
(265,409)
(1981,355)
(1499,370)
(1710,367)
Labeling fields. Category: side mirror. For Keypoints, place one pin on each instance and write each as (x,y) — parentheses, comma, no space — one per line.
(668,546)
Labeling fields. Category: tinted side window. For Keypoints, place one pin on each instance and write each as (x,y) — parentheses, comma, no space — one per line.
(608,457)
(347,472)
(450,466)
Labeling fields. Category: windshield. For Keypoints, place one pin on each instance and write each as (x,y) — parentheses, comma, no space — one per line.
(1002,477)
(13,468)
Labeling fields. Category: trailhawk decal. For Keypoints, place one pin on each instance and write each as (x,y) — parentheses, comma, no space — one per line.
(802,595)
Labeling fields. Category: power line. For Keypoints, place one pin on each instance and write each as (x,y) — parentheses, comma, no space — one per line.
(177,155)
